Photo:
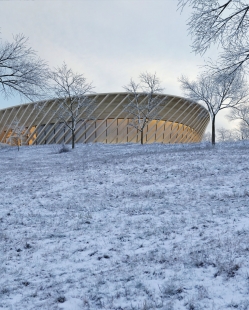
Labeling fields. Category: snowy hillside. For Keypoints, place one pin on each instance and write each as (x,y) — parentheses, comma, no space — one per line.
(125,227)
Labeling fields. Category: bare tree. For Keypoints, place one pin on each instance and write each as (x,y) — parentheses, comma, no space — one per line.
(242,132)
(241,113)
(143,111)
(216,92)
(225,22)
(207,137)
(236,134)
(225,135)
(16,133)
(21,70)
(72,88)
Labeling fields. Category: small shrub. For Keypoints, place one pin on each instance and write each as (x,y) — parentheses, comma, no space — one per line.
(148,306)
(4,290)
(170,289)
(199,258)
(25,283)
(232,270)
(202,292)
(192,304)
(229,269)
(64,149)
(61,299)
(27,246)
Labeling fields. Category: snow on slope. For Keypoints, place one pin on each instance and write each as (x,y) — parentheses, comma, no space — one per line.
(125,227)
(3,145)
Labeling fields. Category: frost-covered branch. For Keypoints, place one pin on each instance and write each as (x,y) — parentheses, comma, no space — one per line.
(225,23)
(215,21)
(17,133)
(143,110)
(241,113)
(217,92)
(72,88)
(21,71)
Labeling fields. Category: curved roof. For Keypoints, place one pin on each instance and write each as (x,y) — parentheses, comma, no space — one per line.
(104,107)
(113,105)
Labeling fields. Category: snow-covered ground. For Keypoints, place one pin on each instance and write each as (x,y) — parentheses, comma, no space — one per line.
(125,227)
(3,144)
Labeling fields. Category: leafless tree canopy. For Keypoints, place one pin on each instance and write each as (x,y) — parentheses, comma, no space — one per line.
(242,132)
(215,21)
(228,135)
(240,113)
(207,137)
(143,111)
(225,22)
(18,132)
(21,70)
(68,84)
(217,92)
(225,135)
(236,134)
(72,88)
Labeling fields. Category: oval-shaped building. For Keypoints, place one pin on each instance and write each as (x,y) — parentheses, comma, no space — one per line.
(107,119)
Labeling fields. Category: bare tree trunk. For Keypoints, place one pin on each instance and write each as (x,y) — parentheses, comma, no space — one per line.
(213,130)
(73,133)
(73,138)
(142,136)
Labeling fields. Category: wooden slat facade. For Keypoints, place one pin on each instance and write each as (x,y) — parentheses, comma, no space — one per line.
(178,121)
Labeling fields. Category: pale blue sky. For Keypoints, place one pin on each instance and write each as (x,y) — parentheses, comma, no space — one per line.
(109,41)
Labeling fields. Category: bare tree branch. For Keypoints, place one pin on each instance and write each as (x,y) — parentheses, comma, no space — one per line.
(72,89)
(217,92)
(222,22)
(215,21)
(21,70)
(240,113)
(17,133)
(146,109)
(225,135)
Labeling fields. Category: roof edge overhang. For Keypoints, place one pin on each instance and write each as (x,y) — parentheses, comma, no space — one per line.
(105,94)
